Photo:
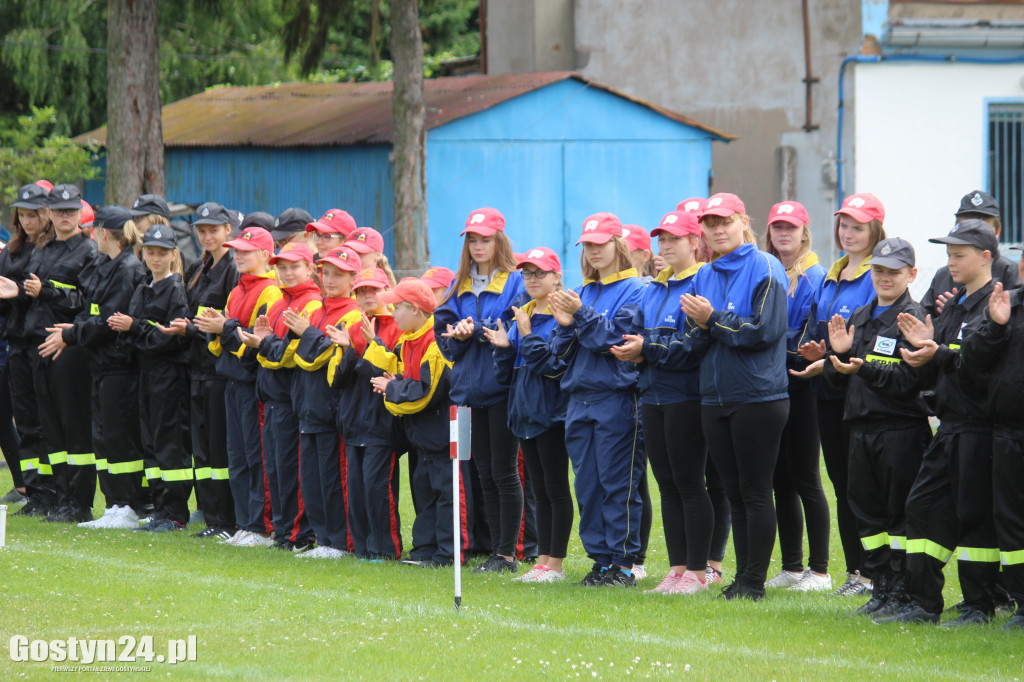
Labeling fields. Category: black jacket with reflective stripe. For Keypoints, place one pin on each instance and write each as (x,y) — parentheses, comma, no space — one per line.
(211,290)
(60,265)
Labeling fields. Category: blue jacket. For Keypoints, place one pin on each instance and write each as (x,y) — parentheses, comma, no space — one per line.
(800,302)
(836,297)
(744,347)
(533,371)
(473,382)
(667,375)
(609,309)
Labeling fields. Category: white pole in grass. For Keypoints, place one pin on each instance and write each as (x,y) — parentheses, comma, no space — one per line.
(459,435)
(3,526)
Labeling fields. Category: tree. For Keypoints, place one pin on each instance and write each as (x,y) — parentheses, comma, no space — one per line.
(409,113)
(135,144)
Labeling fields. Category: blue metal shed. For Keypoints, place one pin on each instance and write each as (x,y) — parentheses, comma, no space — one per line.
(546,149)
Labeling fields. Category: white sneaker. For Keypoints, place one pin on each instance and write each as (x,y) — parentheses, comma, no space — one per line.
(812,582)
(254,540)
(639,572)
(334,553)
(549,575)
(237,537)
(529,575)
(784,579)
(125,519)
(108,514)
(314,553)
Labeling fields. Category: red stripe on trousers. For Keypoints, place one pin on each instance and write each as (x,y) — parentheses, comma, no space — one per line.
(396,533)
(343,465)
(268,516)
(297,523)
(520,545)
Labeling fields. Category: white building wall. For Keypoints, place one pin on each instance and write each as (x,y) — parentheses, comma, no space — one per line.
(920,131)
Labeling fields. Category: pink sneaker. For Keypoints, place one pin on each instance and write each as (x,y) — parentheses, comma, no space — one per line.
(689,584)
(712,576)
(666,583)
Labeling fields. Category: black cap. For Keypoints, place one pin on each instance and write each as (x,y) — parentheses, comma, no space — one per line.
(893,253)
(32,197)
(112,217)
(290,221)
(150,204)
(972,232)
(236,218)
(212,213)
(160,235)
(64,196)
(978,202)
(258,219)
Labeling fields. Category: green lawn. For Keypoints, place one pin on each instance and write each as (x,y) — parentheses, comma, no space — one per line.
(262,614)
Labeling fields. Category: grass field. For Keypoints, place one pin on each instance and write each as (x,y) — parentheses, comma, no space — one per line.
(263,614)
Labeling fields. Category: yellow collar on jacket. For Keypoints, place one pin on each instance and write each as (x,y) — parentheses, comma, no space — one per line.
(668,273)
(412,336)
(615,277)
(496,285)
(837,268)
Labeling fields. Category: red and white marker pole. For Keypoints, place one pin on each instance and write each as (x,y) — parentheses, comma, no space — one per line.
(459,432)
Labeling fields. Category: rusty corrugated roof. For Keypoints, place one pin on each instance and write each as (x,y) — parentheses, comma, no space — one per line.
(336,114)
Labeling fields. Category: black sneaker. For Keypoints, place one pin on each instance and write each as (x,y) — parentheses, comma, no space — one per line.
(59,515)
(211,532)
(618,577)
(969,616)
(497,564)
(161,526)
(958,607)
(743,591)
(595,577)
(1015,623)
(729,589)
(33,508)
(283,545)
(80,515)
(908,613)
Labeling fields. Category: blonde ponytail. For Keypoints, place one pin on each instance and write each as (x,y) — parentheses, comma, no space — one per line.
(383,264)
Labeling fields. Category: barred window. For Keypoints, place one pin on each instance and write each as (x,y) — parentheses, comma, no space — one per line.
(1005,152)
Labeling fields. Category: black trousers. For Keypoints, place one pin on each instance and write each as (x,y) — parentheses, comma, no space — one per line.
(496,453)
(323,494)
(210,451)
(433,529)
(674,438)
(646,512)
(884,461)
(373,519)
(1008,503)
(547,464)
(797,482)
(950,506)
(63,391)
(8,435)
(743,440)
(281,447)
(163,400)
(834,433)
(723,512)
(117,437)
(35,467)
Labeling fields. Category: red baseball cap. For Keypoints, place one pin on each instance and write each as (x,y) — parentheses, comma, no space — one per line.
(600,228)
(543,257)
(335,221)
(293,251)
(252,239)
(678,223)
(692,205)
(485,222)
(365,240)
(636,237)
(792,212)
(724,205)
(45,184)
(371,277)
(88,215)
(411,290)
(438,277)
(863,208)
(342,258)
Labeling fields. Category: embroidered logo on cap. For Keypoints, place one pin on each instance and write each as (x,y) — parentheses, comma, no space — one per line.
(856,202)
(625,232)
(590,226)
(670,220)
(290,246)
(24,195)
(276,222)
(784,208)
(955,228)
(536,253)
(976,200)
(477,218)
(692,206)
(715,202)
(886,249)
(329,216)
(65,195)
(157,234)
(361,238)
(136,204)
(247,235)
(205,212)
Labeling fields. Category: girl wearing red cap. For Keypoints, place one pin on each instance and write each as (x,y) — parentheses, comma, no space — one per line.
(846,287)
(439,279)
(277,343)
(602,424)
(331,230)
(536,412)
(736,324)
(366,426)
(252,297)
(486,285)
(316,405)
(797,474)
(163,384)
(369,244)
(669,383)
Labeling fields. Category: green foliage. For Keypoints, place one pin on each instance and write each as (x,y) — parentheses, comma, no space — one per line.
(33,151)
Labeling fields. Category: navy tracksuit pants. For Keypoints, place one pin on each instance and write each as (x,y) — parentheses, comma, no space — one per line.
(245,455)
(432,530)
(323,495)
(603,437)
(373,501)
(281,445)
